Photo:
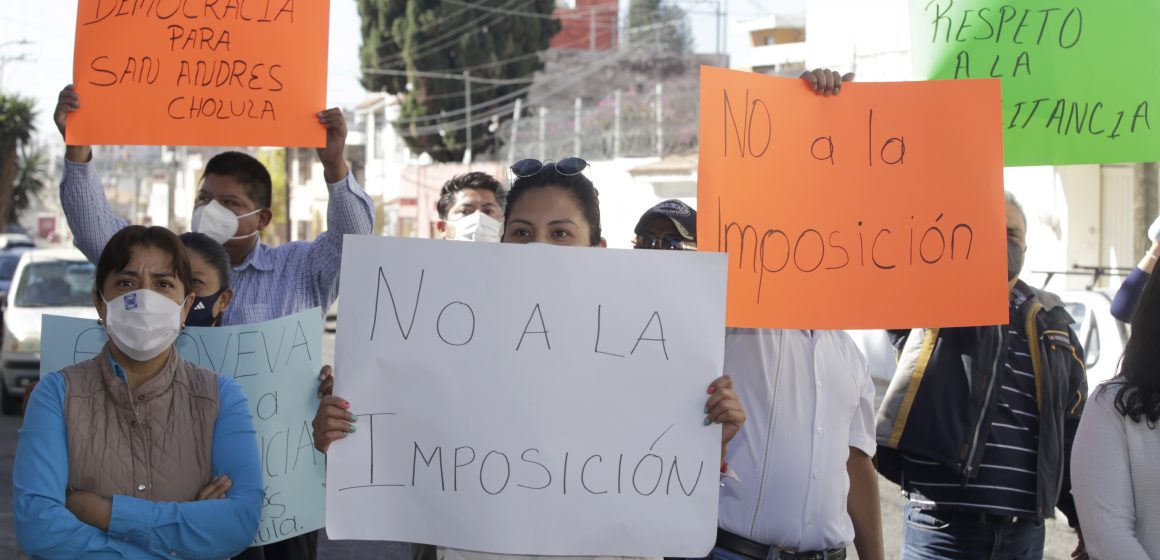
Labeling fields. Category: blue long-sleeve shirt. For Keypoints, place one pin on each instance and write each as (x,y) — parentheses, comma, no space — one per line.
(138,528)
(272,282)
(1124,304)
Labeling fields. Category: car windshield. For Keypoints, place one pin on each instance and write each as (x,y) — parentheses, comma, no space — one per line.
(56,284)
(8,266)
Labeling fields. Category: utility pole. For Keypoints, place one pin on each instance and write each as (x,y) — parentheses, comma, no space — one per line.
(592,29)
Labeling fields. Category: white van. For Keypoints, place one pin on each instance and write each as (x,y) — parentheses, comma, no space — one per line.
(46,282)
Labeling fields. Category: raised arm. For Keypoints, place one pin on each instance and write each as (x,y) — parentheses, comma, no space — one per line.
(349,211)
(89,214)
(45,528)
(209,528)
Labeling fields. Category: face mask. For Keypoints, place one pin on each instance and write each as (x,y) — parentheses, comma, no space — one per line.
(142,324)
(218,222)
(201,315)
(477,227)
(1014,260)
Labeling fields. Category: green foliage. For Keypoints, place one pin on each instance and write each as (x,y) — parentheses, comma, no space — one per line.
(447,37)
(275,162)
(16,126)
(661,24)
(31,179)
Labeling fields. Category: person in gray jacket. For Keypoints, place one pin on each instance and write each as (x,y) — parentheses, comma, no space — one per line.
(978,422)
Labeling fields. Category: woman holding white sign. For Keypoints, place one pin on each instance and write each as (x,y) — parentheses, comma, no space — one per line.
(138,452)
(549,202)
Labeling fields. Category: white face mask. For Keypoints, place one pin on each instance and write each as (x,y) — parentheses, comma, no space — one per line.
(143,323)
(218,222)
(477,227)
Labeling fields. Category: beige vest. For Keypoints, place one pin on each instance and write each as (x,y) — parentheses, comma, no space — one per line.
(155,444)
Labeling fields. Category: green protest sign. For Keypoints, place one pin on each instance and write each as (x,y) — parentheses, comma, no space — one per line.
(1079,77)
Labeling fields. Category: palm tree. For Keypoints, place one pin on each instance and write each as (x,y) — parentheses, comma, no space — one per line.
(16,127)
(31,178)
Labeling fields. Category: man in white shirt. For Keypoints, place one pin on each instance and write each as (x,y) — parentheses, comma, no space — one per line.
(807,487)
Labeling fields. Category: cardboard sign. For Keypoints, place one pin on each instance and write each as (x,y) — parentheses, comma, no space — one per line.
(1078,84)
(528,399)
(174,72)
(277,364)
(881,207)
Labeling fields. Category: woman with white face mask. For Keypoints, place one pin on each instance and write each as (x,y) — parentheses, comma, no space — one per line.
(138,453)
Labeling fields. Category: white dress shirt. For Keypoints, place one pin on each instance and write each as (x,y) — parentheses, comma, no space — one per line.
(809,397)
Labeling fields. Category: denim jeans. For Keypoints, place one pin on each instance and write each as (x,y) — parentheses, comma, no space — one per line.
(933,535)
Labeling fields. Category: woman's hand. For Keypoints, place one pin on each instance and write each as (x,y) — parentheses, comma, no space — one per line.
(216,489)
(325,382)
(723,407)
(826,82)
(90,508)
(332,422)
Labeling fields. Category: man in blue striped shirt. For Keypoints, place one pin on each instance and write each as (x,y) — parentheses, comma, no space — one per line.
(234,206)
(978,422)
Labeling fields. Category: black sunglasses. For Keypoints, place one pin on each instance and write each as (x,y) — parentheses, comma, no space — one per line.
(567,167)
(664,243)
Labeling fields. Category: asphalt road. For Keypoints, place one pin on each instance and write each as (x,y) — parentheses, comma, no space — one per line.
(1060,539)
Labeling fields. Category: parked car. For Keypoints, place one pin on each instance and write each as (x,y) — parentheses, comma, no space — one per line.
(14,240)
(1101,335)
(8,261)
(46,282)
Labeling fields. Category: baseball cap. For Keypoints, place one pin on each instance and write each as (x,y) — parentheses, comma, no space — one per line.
(684,218)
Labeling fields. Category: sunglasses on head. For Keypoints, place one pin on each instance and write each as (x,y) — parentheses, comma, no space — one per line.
(530,167)
(664,243)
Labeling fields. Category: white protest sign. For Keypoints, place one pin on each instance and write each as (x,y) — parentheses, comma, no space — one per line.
(528,399)
(277,364)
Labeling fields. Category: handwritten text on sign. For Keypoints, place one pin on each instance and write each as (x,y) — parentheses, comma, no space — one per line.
(1054,60)
(200,72)
(842,212)
(277,364)
(527,399)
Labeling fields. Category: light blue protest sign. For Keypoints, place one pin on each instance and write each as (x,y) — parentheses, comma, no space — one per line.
(277,364)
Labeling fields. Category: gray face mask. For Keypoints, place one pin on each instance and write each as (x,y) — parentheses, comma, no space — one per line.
(1014,260)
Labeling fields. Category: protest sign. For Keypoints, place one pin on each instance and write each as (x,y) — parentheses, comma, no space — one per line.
(277,364)
(881,207)
(1077,80)
(527,399)
(205,73)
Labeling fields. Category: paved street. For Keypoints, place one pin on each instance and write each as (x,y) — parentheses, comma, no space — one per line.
(1060,539)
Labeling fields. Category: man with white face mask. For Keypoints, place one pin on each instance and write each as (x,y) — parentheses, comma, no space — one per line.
(233,207)
(471,208)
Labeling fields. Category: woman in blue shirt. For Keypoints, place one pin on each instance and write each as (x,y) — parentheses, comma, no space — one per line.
(138,453)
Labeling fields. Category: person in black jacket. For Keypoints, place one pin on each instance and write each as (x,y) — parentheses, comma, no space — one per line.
(978,422)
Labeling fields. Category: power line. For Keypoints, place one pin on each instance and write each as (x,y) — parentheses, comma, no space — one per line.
(444,76)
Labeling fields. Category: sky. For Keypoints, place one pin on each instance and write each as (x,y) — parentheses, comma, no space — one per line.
(50,25)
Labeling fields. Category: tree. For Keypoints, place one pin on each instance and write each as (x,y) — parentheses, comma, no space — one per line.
(495,39)
(660,23)
(16,127)
(31,178)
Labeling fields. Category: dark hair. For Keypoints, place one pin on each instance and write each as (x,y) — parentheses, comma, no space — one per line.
(578,185)
(248,171)
(119,250)
(476,180)
(212,252)
(1139,397)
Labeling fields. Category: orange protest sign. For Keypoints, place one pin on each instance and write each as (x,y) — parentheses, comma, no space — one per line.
(881,207)
(200,72)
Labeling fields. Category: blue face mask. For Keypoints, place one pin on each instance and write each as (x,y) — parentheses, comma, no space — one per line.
(201,315)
